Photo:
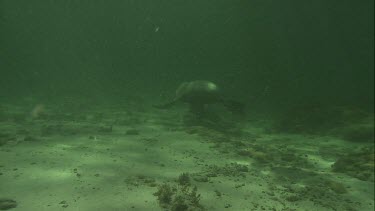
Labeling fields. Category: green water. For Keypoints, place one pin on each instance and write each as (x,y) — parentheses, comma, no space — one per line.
(302,68)
(321,50)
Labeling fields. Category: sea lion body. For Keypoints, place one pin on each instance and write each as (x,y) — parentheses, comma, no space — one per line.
(204,92)
(198,94)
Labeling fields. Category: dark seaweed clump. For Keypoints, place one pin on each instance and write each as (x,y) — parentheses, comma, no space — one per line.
(183,197)
(6,204)
(184,179)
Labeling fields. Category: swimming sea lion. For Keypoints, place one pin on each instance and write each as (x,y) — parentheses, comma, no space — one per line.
(200,93)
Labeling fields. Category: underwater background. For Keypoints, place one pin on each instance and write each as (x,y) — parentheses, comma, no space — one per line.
(79,78)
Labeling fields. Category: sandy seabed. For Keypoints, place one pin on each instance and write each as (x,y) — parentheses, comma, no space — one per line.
(123,157)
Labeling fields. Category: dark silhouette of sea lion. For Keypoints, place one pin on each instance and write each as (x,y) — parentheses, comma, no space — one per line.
(200,93)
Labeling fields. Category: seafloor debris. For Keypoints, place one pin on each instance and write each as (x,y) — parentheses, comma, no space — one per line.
(336,187)
(184,179)
(363,132)
(140,180)
(30,139)
(64,204)
(232,169)
(6,204)
(5,138)
(180,197)
(328,194)
(208,134)
(211,121)
(309,118)
(358,164)
(349,123)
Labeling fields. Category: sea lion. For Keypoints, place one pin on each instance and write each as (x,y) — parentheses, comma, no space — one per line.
(200,93)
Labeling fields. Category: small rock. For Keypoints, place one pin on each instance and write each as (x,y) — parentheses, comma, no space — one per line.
(132,132)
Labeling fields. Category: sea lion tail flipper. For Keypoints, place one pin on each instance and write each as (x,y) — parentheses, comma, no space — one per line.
(166,105)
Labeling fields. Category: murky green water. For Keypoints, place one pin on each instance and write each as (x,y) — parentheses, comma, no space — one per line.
(79,79)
